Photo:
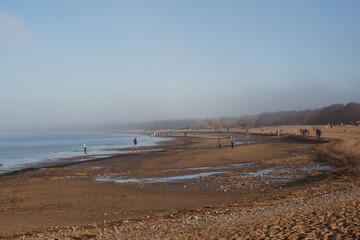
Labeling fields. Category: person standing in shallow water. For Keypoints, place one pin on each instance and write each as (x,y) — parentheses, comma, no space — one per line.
(135,145)
(84,147)
(219,143)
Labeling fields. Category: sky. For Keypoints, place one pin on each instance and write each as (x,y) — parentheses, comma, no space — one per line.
(98,62)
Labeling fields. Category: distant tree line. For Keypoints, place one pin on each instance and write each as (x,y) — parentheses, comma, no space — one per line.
(336,114)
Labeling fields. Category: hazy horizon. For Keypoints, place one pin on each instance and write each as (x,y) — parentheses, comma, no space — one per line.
(137,125)
(84,63)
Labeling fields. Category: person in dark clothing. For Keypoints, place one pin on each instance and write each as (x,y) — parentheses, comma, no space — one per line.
(319,134)
(135,145)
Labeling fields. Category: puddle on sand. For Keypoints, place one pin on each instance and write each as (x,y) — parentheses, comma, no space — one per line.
(96,167)
(265,172)
(316,167)
(284,178)
(229,166)
(260,173)
(109,179)
(172,179)
(265,175)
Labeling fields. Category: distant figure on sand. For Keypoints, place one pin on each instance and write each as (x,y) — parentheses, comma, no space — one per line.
(84,147)
(232,142)
(219,143)
(135,145)
(318,133)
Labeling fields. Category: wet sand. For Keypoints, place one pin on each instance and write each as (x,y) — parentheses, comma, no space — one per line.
(277,186)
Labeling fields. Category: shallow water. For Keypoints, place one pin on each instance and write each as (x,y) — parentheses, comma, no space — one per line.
(19,151)
(316,167)
(229,166)
(260,173)
(268,176)
(261,176)
(172,179)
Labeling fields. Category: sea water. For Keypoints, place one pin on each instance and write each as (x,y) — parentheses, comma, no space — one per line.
(19,151)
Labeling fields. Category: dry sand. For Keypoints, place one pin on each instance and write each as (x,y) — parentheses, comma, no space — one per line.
(285,189)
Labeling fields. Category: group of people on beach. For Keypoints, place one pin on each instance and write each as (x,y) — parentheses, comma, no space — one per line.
(306,131)
(232,140)
(135,148)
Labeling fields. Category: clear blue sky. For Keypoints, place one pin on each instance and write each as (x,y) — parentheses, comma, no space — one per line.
(89,62)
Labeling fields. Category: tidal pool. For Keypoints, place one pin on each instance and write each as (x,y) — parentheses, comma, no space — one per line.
(172,179)
(274,174)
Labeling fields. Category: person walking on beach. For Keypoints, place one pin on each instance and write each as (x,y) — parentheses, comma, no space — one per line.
(135,145)
(219,143)
(319,134)
(232,142)
(84,147)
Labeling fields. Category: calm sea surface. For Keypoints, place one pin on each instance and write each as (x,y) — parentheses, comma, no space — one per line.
(18,151)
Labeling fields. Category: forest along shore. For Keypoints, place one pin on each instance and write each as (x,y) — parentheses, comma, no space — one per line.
(279,186)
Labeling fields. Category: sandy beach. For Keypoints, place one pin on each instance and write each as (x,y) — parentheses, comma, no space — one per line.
(268,186)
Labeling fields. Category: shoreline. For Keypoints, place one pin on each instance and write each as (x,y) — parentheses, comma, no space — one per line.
(53,161)
(163,145)
(123,206)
